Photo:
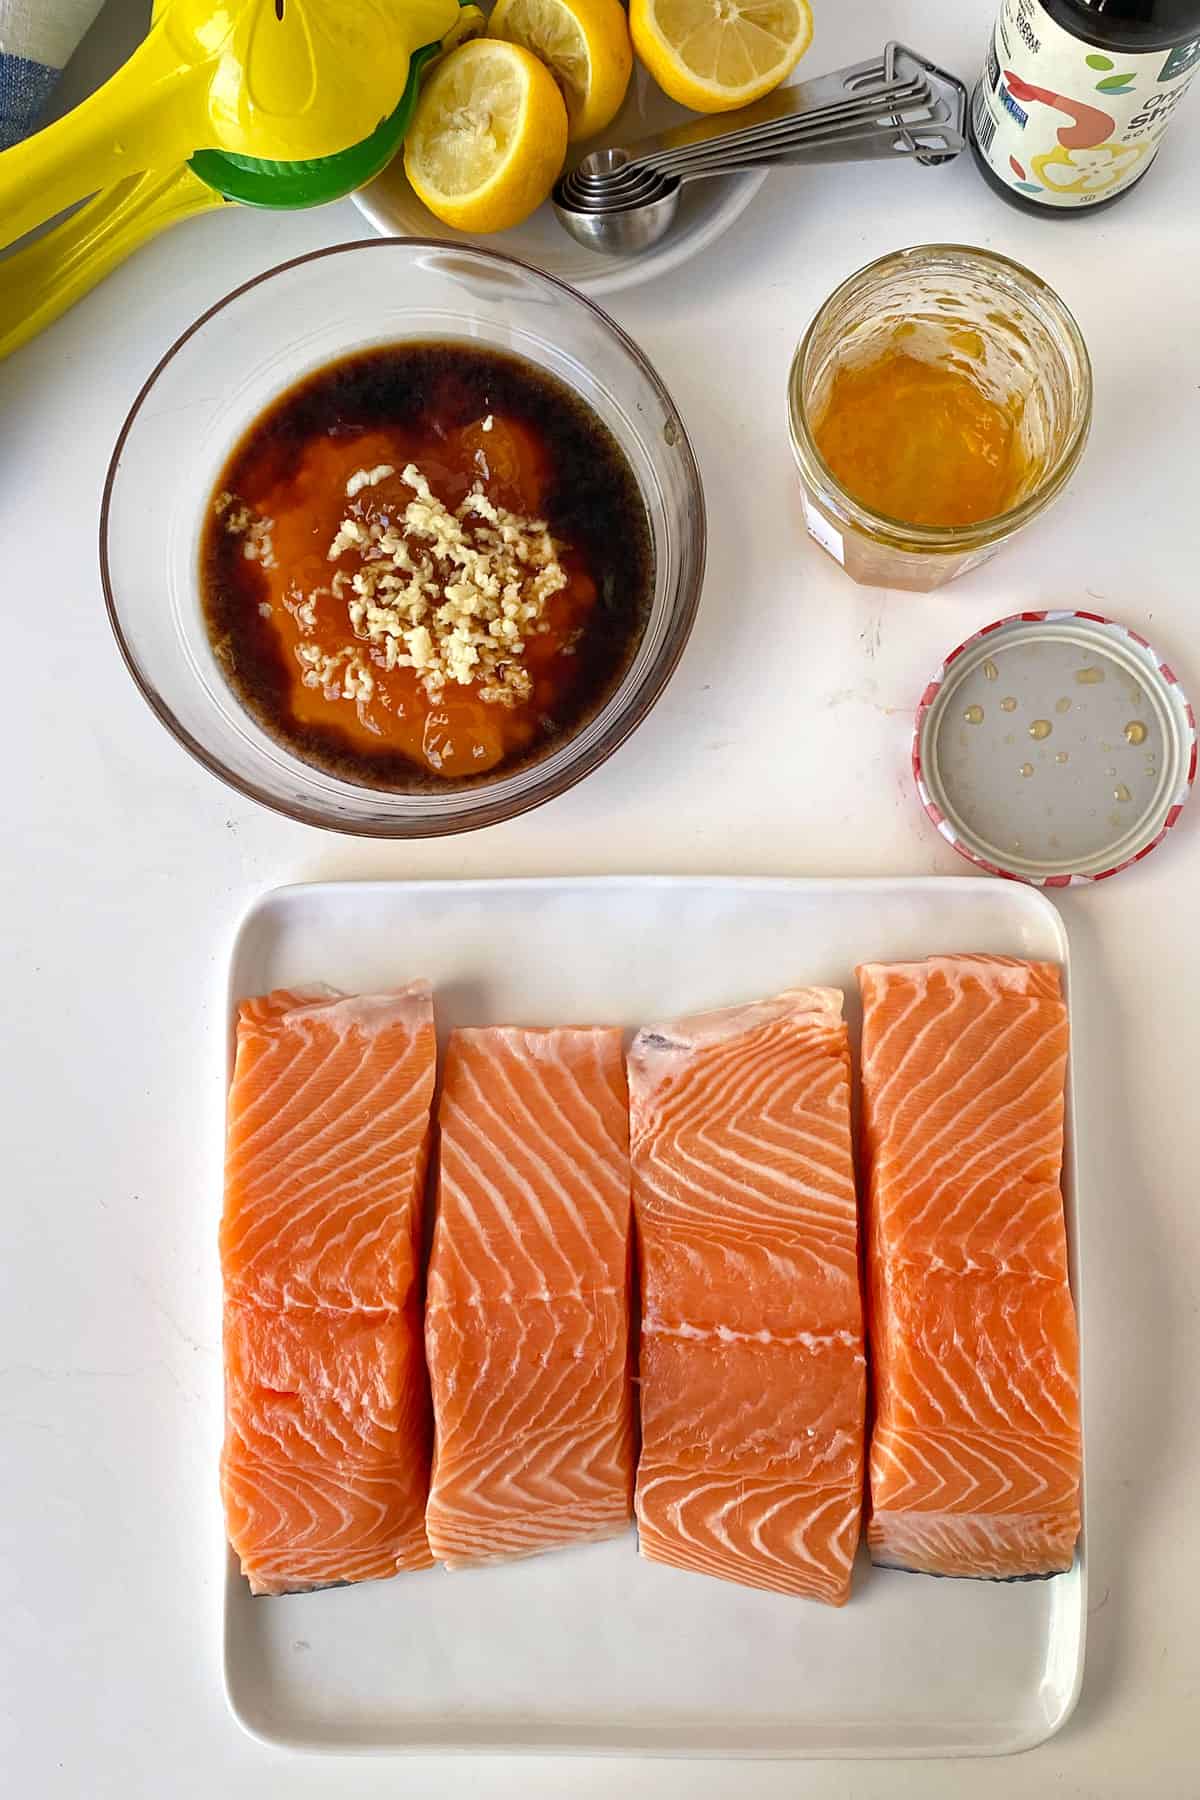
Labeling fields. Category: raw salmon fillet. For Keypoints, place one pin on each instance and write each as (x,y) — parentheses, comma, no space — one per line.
(753,1374)
(325,1465)
(527,1307)
(976,1456)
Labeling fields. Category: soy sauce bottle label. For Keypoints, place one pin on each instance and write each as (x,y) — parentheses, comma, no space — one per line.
(1067,125)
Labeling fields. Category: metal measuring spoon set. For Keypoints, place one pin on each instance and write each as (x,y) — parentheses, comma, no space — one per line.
(899,104)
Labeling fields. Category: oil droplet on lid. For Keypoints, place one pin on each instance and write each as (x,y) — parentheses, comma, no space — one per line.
(1027,769)
(1008,704)
(1135,732)
(974,715)
(1063,756)
(1063,705)
(1041,728)
(990,671)
(1115,819)
(1121,792)
(1089,677)
(1009,738)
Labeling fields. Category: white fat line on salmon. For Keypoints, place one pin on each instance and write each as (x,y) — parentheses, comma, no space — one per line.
(975,1379)
(684,1186)
(920,1539)
(899,1163)
(838,1188)
(725,1065)
(725,1334)
(992,1267)
(1035,1490)
(747,1258)
(314,1085)
(979,1028)
(1007,971)
(481,1303)
(710,1502)
(723,1023)
(752,1087)
(504,1123)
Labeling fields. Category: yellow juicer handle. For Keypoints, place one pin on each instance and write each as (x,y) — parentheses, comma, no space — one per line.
(41,280)
(274,80)
(153,113)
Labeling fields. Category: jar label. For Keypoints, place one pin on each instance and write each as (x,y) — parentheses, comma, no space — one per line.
(1065,123)
(824,533)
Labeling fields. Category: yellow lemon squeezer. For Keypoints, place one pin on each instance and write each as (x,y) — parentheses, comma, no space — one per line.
(276,103)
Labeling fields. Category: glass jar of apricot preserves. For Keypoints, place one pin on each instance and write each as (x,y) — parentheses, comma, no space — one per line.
(939,401)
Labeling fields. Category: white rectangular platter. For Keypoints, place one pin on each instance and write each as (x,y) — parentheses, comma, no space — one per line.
(594,1649)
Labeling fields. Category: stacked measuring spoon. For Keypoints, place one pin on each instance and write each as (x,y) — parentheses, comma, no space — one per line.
(623,200)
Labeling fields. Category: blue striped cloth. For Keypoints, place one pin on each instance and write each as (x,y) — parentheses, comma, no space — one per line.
(37,38)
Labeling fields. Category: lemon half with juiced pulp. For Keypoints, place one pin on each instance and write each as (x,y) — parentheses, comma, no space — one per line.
(488,138)
(713,55)
(584,43)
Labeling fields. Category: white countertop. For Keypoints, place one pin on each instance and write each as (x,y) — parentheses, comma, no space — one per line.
(781,746)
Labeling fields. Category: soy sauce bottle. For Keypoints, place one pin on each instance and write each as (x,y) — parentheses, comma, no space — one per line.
(1076,95)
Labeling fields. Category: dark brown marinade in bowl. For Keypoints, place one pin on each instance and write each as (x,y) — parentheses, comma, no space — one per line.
(527,499)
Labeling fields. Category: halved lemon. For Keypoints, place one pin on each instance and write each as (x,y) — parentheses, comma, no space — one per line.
(585,45)
(713,55)
(488,137)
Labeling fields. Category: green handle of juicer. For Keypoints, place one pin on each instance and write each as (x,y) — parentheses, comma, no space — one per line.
(39,282)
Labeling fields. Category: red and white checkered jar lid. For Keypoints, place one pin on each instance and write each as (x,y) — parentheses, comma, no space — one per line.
(1054,748)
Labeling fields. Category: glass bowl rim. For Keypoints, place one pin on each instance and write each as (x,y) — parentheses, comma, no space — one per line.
(683,607)
(898,533)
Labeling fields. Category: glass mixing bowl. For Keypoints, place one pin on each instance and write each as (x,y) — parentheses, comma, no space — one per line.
(254,345)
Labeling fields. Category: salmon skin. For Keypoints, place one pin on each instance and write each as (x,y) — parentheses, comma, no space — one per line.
(753,1374)
(325,1465)
(975,1458)
(527,1306)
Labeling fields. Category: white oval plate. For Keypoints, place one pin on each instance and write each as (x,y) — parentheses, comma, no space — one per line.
(706,209)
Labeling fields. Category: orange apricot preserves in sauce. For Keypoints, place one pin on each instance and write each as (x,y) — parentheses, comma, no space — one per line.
(920,442)
(426,564)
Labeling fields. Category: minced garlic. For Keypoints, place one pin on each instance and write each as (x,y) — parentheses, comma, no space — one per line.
(365,478)
(242,521)
(259,546)
(238,517)
(453,595)
(340,676)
